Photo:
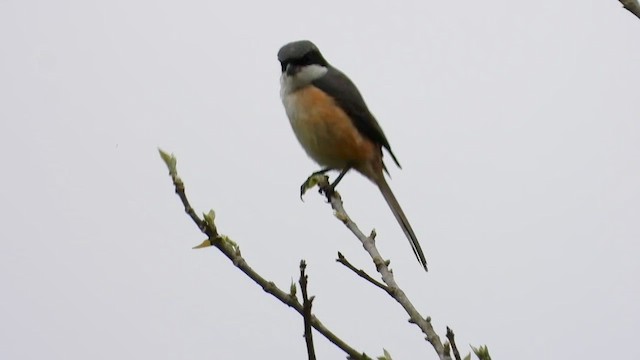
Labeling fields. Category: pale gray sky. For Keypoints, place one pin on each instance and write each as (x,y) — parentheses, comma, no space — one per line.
(517,125)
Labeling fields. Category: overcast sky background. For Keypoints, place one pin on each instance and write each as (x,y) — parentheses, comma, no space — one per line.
(517,125)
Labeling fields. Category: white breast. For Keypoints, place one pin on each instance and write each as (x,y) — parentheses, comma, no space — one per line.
(289,85)
(298,116)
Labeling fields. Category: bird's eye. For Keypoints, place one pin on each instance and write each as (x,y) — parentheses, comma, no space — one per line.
(283,65)
(305,60)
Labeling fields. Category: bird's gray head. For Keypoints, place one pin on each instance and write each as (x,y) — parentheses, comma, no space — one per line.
(301,63)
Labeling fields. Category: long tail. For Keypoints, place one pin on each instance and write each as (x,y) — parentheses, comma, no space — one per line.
(402,219)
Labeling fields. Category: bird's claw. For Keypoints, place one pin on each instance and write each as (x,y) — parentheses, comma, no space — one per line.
(312,181)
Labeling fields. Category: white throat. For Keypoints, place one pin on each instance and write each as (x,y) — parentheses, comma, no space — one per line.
(304,77)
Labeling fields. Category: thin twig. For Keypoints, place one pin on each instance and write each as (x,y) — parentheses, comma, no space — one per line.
(632,5)
(306,307)
(452,341)
(232,252)
(342,260)
(383,268)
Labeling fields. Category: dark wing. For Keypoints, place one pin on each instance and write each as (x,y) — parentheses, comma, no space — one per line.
(345,93)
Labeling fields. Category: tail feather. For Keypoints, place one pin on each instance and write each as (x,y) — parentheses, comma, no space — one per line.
(402,220)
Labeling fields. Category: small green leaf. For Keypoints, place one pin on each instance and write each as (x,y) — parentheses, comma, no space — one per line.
(482,352)
(468,357)
(204,244)
(169,160)
(227,240)
(386,355)
(293,289)
(210,217)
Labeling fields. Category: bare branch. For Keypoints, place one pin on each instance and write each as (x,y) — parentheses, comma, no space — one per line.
(232,252)
(452,341)
(632,5)
(342,260)
(383,268)
(306,306)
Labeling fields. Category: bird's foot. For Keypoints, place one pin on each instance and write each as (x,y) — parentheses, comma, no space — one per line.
(315,179)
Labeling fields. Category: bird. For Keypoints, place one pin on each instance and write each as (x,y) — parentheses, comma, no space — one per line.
(334,125)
